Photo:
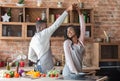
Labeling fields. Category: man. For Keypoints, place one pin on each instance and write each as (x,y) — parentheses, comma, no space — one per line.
(39,49)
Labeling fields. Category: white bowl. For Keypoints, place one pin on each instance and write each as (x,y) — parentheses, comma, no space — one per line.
(20,5)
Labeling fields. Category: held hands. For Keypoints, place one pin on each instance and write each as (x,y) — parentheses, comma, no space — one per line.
(74,6)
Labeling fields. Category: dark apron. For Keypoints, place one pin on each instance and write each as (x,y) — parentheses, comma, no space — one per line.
(46,62)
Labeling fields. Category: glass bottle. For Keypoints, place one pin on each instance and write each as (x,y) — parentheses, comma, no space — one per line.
(88,18)
(43,14)
(20,16)
(85,17)
(17,66)
(8,66)
(9,31)
(9,13)
(4,33)
(39,2)
(27,18)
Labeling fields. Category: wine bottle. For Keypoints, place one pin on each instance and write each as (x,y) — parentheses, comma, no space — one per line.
(17,66)
(9,13)
(43,14)
(85,17)
(21,16)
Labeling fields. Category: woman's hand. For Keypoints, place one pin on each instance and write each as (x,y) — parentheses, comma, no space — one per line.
(76,6)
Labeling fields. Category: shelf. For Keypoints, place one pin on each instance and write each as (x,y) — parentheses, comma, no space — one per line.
(35,7)
(12,23)
(30,15)
(11,5)
(11,38)
(109,60)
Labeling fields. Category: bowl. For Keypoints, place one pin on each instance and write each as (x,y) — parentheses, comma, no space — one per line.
(99,40)
(81,74)
(20,5)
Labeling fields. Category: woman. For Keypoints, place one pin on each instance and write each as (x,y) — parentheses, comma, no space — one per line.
(74,49)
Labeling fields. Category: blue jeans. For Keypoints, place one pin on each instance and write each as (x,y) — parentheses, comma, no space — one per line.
(38,68)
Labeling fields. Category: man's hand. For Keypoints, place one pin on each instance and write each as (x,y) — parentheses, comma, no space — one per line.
(70,8)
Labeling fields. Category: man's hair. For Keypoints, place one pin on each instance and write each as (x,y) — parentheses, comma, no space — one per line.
(77,31)
(40,22)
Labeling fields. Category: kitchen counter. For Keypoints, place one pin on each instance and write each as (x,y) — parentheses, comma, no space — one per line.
(26,68)
(94,78)
(86,69)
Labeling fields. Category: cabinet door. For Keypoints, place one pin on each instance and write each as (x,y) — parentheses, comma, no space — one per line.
(30,30)
(12,31)
(109,52)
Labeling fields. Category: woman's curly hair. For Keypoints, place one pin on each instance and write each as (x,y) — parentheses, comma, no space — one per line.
(77,31)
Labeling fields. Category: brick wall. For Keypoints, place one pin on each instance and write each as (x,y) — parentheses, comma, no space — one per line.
(106,17)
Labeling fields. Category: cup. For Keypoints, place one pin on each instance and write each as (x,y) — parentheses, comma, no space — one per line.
(107,39)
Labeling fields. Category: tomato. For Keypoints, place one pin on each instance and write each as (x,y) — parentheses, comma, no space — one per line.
(56,75)
(16,75)
(52,75)
(7,75)
(43,75)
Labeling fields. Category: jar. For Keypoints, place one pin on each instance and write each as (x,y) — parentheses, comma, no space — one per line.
(59,4)
(39,2)
(27,18)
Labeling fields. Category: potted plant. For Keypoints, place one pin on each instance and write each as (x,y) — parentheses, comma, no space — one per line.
(20,3)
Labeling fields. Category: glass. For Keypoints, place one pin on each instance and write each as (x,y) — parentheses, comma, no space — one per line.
(39,2)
